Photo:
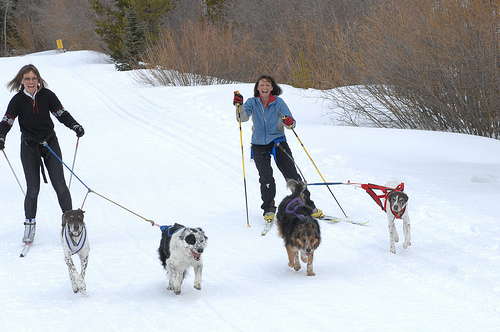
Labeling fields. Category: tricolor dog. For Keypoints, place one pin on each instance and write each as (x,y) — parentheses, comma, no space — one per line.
(74,241)
(180,248)
(298,229)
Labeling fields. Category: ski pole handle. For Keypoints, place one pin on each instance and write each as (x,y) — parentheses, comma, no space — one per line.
(237,94)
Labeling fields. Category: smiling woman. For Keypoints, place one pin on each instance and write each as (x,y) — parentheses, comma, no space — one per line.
(33,104)
(270,115)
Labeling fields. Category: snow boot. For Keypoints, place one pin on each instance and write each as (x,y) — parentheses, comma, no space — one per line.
(317,213)
(269,216)
(29,230)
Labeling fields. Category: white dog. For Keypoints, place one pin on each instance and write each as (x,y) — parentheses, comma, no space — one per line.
(396,209)
(180,248)
(74,241)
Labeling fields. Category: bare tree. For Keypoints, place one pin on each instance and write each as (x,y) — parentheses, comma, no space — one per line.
(428,65)
(72,21)
(7,8)
(190,57)
(291,35)
(27,33)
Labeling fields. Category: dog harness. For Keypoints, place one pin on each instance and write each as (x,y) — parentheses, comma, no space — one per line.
(75,247)
(293,205)
(383,196)
(172,229)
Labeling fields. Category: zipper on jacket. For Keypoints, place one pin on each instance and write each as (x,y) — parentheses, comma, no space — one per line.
(265,120)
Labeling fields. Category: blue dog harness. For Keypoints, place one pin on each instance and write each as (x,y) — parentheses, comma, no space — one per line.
(172,229)
(75,247)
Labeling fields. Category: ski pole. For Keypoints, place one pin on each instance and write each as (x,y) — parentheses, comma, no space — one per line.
(19,183)
(73,166)
(243,161)
(322,178)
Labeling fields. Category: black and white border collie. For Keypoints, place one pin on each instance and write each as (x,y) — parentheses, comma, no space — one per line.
(180,248)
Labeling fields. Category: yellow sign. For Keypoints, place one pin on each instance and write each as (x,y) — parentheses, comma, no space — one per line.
(59,44)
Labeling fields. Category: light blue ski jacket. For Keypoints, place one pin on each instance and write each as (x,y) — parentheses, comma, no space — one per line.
(267,122)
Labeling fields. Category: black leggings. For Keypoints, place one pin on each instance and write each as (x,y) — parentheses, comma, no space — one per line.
(31,158)
(262,155)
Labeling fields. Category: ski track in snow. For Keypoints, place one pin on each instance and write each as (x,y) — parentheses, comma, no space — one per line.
(173,154)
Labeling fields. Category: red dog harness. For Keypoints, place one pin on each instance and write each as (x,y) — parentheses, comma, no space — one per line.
(370,189)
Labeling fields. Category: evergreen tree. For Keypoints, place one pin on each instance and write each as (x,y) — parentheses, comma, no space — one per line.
(134,40)
(126,25)
(110,26)
(214,12)
(151,11)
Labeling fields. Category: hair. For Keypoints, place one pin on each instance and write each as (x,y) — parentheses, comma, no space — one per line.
(17,82)
(276,88)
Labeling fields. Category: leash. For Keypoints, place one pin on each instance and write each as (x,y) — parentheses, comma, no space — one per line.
(44,143)
(291,158)
(322,178)
(325,183)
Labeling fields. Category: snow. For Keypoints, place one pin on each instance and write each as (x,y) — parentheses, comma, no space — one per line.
(173,154)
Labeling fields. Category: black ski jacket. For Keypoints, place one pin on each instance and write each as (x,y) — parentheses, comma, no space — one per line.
(34,116)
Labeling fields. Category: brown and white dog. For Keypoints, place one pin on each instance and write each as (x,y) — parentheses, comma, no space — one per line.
(299,230)
(74,241)
(396,209)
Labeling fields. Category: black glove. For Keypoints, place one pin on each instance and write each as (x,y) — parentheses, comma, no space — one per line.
(78,130)
(2,142)
(238,98)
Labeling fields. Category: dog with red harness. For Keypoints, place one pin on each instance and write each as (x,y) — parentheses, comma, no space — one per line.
(393,200)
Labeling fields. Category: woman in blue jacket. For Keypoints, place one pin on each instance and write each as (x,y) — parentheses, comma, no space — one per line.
(270,115)
(33,104)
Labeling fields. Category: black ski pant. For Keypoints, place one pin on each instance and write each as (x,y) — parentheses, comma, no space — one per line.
(31,158)
(262,155)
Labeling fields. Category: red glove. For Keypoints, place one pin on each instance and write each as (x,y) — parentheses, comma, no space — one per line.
(238,98)
(288,121)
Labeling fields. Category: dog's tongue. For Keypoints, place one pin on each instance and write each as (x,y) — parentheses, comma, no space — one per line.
(196,255)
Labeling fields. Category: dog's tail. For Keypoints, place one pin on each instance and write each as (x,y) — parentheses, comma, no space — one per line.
(297,187)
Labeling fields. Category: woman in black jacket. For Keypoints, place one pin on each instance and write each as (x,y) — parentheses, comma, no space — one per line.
(33,105)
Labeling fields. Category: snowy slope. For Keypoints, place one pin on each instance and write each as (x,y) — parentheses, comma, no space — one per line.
(172,154)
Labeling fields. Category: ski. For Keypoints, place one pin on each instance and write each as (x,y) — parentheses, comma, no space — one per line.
(267,228)
(331,219)
(26,248)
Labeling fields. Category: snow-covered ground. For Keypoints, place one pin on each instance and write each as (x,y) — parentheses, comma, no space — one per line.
(172,154)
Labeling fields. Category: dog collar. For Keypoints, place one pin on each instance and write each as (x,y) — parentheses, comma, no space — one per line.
(75,247)
(399,214)
(296,202)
